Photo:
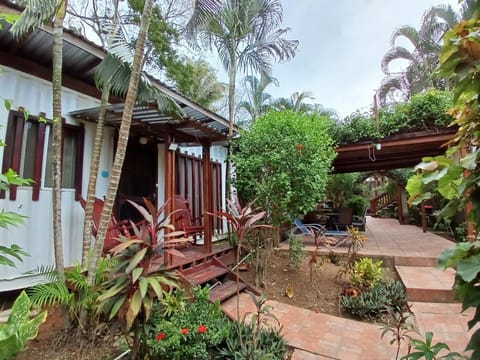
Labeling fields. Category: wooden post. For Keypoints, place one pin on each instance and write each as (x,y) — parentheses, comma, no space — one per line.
(470,230)
(169,187)
(424,217)
(207,197)
(401,218)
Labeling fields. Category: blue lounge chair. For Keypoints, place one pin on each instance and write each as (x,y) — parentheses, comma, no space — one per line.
(322,236)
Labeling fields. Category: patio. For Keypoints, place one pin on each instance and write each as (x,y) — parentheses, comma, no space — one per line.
(413,253)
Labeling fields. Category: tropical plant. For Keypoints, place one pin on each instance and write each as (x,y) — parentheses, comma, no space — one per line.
(366,273)
(283,160)
(243,221)
(258,338)
(456,173)
(383,297)
(133,284)
(183,329)
(357,241)
(400,328)
(19,328)
(258,101)
(295,252)
(75,294)
(429,351)
(247,37)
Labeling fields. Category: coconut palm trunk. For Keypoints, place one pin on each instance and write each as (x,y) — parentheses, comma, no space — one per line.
(57,137)
(92,180)
(123,135)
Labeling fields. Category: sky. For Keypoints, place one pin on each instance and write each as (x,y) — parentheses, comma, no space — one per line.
(341,46)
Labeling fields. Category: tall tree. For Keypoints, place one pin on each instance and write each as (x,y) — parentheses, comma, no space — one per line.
(197,80)
(35,14)
(247,37)
(258,100)
(422,59)
(123,134)
(295,103)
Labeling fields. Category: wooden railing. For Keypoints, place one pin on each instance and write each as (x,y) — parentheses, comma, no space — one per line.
(381,202)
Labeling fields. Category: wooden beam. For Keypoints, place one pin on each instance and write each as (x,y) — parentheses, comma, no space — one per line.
(207,197)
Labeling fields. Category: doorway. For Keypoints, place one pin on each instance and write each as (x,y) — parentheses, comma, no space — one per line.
(138,179)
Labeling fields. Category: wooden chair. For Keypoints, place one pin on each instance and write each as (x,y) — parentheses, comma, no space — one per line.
(183,220)
(115,228)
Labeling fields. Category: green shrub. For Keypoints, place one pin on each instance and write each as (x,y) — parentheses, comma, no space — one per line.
(181,330)
(19,327)
(366,273)
(295,252)
(358,204)
(371,303)
(241,345)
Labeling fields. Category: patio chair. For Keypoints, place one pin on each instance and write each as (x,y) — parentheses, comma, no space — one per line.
(115,228)
(344,220)
(184,221)
(360,221)
(316,230)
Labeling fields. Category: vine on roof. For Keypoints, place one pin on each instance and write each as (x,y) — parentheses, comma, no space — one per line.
(425,111)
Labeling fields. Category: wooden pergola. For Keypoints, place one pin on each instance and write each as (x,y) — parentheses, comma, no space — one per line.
(394,152)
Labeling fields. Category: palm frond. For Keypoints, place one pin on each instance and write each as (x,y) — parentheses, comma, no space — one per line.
(395,53)
(408,32)
(54,293)
(35,14)
(202,12)
(444,12)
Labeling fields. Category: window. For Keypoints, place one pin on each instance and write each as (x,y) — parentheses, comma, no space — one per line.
(24,153)
(72,159)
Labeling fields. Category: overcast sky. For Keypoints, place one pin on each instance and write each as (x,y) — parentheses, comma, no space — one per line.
(341,46)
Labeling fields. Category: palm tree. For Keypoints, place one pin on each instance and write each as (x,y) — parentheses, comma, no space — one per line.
(197,80)
(423,60)
(258,101)
(247,37)
(36,14)
(295,102)
(123,134)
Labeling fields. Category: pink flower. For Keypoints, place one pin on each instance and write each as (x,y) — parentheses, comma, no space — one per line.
(161,336)
(185,331)
(202,329)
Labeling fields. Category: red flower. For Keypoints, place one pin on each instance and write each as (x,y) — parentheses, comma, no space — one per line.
(185,331)
(299,146)
(161,336)
(202,329)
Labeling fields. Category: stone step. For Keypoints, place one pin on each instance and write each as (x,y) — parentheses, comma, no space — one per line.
(415,261)
(427,284)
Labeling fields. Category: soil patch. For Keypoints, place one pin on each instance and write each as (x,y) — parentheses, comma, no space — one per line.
(320,293)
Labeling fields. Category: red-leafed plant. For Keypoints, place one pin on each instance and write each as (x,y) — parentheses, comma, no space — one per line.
(243,220)
(133,285)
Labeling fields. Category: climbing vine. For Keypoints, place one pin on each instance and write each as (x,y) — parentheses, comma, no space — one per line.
(424,111)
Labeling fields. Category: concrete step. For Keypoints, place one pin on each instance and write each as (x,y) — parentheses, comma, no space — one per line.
(427,284)
(416,261)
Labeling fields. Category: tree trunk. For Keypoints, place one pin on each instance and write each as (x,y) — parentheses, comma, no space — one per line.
(122,138)
(57,138)
(92,180)
(231,118)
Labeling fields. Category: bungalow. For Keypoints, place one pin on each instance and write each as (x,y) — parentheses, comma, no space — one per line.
(166,156)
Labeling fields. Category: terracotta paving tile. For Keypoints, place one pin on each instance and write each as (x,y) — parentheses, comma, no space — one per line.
(321,336)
